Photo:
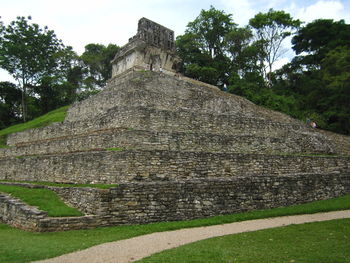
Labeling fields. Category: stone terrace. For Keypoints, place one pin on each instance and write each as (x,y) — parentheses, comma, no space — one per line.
(179,149)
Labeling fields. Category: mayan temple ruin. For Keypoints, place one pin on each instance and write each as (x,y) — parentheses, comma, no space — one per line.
(177,148)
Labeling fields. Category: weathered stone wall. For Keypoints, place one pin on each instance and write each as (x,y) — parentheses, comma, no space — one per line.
(141,118)
(167,201)
(190,150)
(128,165)
(145,202)
(159,91)
(152,48)
(173,141)
(90,201)
(160,120)
(165,103)
(18,214)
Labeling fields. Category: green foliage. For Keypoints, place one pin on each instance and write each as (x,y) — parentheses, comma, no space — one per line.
(21,246)
(3,139)
(44,199)
(210,28)
(57,115)
(115,149)
(313,242)
(319,78)
(213,49)
(271,29)
(244,55)
(313,86)
(28,53)
(203,46)
(10,101)
(97,60)
(336,75)
(205,74)
(50,75)
(320,37)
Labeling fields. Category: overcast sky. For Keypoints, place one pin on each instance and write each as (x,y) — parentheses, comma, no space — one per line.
(80,22)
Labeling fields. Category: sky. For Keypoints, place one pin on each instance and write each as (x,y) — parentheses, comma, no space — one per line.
(81,22)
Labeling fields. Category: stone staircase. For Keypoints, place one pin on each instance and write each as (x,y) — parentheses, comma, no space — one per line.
(163,134)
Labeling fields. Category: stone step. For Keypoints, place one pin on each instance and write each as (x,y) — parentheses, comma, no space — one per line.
(126,166)
(173,141)
(146,202)
(142,118)
(150,89)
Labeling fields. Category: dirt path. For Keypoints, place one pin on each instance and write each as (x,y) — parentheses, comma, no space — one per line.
(136,248)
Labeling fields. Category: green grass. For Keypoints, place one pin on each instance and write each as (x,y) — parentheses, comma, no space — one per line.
(116,149)
(3,139)
(57,115)
(322,242)
(21,246)
(44,199)
(100,186)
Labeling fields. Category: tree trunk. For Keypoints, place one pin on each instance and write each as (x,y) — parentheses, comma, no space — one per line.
(24,103)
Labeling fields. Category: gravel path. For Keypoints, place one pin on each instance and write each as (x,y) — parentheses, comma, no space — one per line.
(136,248)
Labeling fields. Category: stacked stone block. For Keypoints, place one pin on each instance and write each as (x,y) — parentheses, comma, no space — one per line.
(179,149)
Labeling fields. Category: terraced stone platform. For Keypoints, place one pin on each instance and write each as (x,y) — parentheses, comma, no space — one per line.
(179,149)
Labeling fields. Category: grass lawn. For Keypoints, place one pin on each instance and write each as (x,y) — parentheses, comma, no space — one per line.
(44,199)
(322,242)
(57,115)
(21,246)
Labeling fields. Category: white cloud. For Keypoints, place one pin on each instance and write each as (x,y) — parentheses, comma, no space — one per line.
(5,76)
(279,63)
(79,22)
(320,10)
(241,10)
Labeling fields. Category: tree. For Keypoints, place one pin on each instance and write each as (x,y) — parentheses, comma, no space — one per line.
(335,69)
(211,27)
(318,38)
(97,61)
(271,29)
(10,100)
(203,47)
(242,52)
(319,76)
(28,53)
(63,87)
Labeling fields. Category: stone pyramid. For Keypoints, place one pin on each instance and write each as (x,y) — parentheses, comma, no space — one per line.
(177,148)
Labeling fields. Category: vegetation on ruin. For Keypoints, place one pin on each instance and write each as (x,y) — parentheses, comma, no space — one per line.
(21,246)
(57,115)
(314,85)
(308,243)
(44,199)
(241,60)
(116,149)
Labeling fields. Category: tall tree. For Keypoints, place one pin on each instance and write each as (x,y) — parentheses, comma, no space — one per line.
(28,53)
(211,27)
(203,46)
(335,72)
(318,38)
(319,75)
(61,88)
(9,104)
(242,53)
(97,60)
(271,29)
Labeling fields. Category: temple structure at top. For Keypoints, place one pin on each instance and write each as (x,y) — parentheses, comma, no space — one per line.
(152,48)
